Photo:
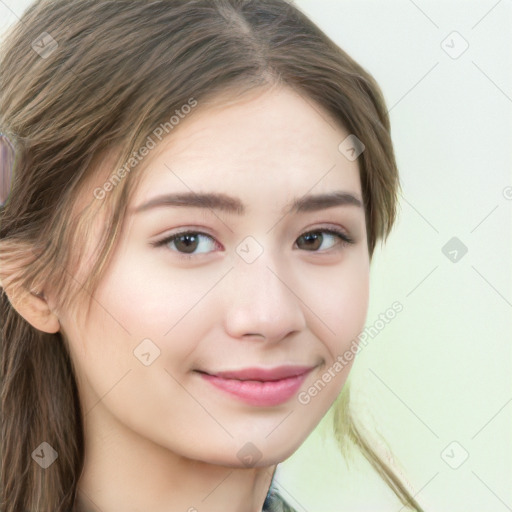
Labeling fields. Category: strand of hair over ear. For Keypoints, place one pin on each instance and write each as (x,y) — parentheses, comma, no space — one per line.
(7,154)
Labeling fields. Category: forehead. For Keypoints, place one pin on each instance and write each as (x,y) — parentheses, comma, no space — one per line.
(274,142)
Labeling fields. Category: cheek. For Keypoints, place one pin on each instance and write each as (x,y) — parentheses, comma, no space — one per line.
(167,305)
(144,297)
(342,303)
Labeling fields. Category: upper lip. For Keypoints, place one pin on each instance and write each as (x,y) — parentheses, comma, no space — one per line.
(263,374)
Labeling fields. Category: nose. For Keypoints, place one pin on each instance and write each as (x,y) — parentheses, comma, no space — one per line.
(262,301)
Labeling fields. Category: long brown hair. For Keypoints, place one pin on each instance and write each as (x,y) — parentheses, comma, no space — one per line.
(82,79)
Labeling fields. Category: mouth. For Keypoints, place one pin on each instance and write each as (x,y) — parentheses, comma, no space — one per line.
(262,387)
(262,374)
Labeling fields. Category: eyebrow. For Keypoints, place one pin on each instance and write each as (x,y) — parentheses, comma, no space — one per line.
(223,202)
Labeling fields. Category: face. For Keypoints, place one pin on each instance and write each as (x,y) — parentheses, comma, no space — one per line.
(271,287)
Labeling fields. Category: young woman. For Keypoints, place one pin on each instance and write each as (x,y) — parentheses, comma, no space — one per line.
(197,190)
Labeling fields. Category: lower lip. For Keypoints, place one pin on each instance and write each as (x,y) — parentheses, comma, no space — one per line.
(263,394)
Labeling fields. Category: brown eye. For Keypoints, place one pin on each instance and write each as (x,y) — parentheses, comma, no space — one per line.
(187,243)
(313,240)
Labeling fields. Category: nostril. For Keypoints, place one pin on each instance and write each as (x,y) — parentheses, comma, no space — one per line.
(255,334)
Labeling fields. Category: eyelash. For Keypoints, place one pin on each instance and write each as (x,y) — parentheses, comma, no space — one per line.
(345,239)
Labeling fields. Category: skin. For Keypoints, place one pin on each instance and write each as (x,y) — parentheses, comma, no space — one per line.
(159,437)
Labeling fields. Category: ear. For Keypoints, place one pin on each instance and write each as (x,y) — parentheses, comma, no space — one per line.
(34,308)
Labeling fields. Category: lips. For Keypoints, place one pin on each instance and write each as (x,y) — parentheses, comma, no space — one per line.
(263,374)
(261,387)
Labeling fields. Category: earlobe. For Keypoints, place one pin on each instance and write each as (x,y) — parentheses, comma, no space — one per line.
(35,310)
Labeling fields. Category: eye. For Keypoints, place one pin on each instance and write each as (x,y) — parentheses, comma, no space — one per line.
(187,243)
(315,239)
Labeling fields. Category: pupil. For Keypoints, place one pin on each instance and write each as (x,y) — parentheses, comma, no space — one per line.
(313,237)
(190,242)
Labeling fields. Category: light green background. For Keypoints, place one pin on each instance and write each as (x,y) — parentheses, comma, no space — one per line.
(441,370)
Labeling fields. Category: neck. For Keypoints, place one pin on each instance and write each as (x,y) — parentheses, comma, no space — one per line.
(125,471)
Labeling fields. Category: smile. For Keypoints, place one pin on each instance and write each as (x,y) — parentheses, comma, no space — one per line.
(258,386)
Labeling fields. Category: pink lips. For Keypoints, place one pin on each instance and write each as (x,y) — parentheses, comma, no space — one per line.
(261,386)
